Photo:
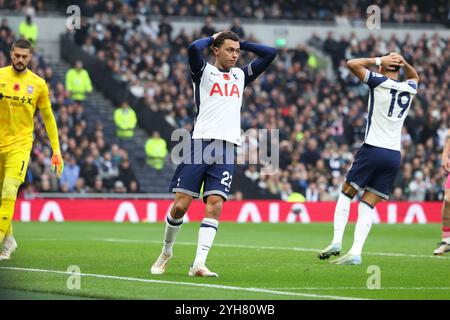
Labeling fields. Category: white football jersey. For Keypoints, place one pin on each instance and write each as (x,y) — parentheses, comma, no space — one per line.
(388,106)
(218,96)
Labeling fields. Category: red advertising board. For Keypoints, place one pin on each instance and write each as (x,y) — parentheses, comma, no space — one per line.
(255,211)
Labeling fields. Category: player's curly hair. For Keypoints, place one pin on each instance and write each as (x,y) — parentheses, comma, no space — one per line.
(220,39)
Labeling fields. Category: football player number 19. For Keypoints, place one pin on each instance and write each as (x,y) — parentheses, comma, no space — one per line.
(403,105)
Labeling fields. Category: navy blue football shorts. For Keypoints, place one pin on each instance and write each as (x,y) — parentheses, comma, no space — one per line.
(211,164)
(374,169)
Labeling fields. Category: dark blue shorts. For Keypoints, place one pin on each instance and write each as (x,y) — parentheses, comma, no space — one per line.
(211,162)
(374,169)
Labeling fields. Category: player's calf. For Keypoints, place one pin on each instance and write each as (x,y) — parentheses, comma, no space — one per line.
(8,199)
(444,245)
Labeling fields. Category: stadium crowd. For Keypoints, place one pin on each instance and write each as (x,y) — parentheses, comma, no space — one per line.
(93,162)
(321,121)
(348,12)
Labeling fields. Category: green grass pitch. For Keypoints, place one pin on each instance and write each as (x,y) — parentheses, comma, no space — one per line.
(255,261)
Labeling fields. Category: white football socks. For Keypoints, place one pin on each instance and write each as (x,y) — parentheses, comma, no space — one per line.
(341,213)
(362,229)
(206,235)
(173,226)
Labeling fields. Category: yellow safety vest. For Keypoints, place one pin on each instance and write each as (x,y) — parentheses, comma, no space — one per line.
(78,83)
(125,122)
(156,150)
(312,61)
(29,31)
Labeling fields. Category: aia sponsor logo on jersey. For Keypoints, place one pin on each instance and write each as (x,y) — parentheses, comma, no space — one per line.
(16,87)
(224,90)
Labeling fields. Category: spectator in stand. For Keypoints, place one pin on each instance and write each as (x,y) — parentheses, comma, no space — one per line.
(236,27)
(126,174)
(108,170)
(311,155)
(78,82)
(125,120)
(45,185)
(80,187)
(70,175)
(252,173)
(156,150)
(119,187)
(4,26)
(208,28)
(134,187)
(98,185)
(397,194)
(29,30)
(417,187)
(89,171)
(165,28)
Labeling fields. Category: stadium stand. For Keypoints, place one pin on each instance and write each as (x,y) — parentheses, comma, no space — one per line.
(348,12)
(83,139)
(321,119)
(319,128)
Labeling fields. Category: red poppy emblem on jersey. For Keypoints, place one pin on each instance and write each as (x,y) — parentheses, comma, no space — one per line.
(226,76)
(16,87)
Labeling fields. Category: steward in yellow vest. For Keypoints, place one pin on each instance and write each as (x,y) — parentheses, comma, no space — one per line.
(78,82)
(156,150)
(125,120)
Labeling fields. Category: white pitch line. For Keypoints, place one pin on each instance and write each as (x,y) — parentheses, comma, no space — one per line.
(204,285)
(359,288)
(273,248)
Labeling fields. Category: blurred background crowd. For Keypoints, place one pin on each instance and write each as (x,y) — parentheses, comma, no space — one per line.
(92,163)
(346,11)
(320,118)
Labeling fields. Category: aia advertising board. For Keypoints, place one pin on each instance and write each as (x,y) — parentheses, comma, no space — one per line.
(246,211)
